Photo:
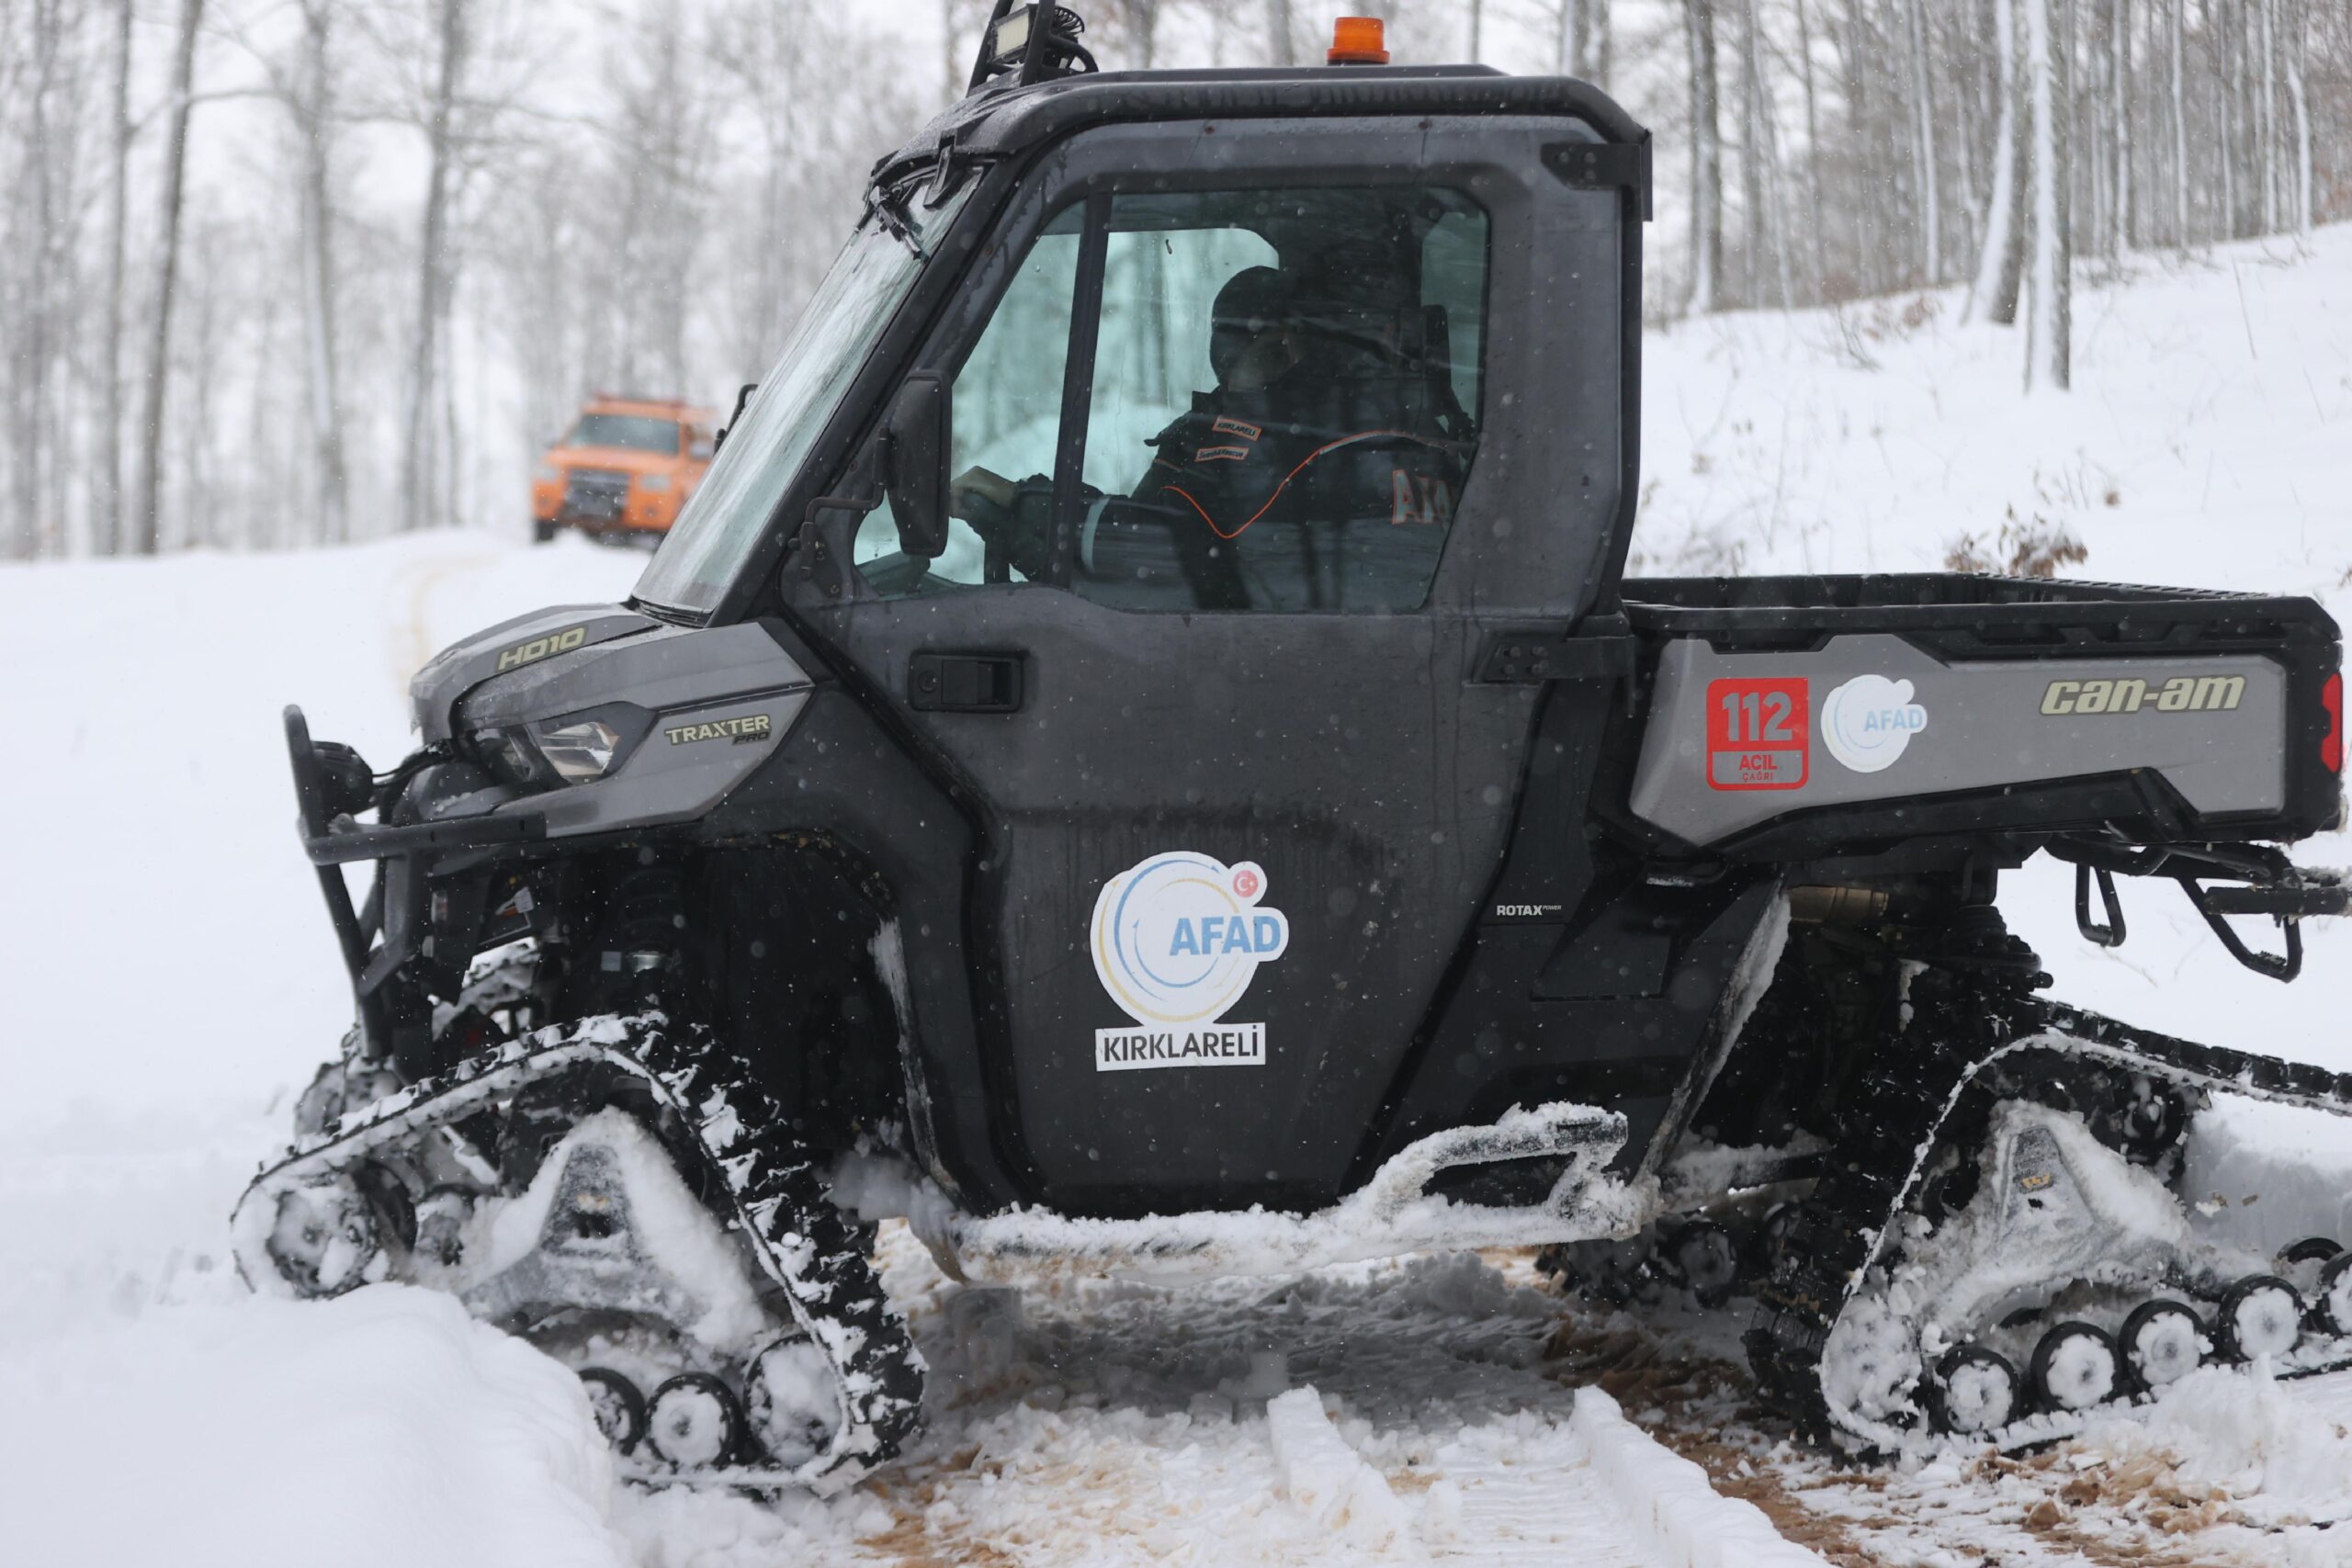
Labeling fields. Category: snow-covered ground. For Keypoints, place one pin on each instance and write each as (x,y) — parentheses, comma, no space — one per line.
(170,981)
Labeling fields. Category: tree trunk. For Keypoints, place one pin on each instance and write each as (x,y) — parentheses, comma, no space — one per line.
(2001,263)
(2266,121)
(1812,153)
(2121,223)
(2049,326)
(420,461)
(1924,147)
(1707,161)
(313,114)
(107,532)
(2179,122)
(1584,40)
(1965,101)
(146,518)
(1477,26)
(1760,164)
(28,342)
(2228,81)
(2298,50)
(1285,50)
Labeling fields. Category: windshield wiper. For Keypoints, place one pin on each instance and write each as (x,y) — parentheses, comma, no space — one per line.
(890,207)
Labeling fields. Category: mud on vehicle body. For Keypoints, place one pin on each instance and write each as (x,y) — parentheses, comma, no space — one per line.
(1140,783)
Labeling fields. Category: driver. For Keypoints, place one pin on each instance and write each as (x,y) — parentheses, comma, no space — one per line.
(1311,420)
(1255,348)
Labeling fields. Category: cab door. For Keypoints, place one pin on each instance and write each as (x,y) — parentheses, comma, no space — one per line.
(1239,776)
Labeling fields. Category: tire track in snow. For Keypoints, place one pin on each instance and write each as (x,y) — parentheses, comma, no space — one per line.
(1380,1414)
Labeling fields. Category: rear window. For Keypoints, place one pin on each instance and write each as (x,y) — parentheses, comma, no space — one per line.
(636,432)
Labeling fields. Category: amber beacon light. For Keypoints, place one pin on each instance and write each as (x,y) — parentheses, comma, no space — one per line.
(1358,40)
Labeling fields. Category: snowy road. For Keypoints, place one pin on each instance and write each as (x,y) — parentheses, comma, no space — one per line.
(169,980)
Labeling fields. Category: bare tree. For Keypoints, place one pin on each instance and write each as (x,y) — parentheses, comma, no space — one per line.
(452,28)
(107,532)
(1135,25)
(33,329)
(1707,161)
(146,517)
(2122,224)
(2049,326)
(2001,262)
(1760,164)
(1282,40)
(2298,52)
(2180,121)
(1813,214)
(1924,146)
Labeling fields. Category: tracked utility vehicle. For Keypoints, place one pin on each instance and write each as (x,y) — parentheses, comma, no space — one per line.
(1141,759)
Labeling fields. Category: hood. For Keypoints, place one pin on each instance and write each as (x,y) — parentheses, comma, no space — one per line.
(511,645)
(620,460)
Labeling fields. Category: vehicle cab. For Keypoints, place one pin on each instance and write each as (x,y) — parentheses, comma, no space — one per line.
(624,470)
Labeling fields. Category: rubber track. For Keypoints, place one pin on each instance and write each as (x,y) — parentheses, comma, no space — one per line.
(802,1240)
(1963,1026)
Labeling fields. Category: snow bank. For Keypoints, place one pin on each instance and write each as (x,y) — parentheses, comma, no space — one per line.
(386,1428)
(2278,1459)
(1671,1502)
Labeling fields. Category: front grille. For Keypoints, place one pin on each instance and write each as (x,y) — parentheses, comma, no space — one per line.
(595,495)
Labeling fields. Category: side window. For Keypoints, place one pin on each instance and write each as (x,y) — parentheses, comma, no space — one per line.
(1005,405)
(1286,397)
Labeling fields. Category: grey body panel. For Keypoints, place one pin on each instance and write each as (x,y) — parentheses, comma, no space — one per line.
(511,645)
(1982,725)
(680,681)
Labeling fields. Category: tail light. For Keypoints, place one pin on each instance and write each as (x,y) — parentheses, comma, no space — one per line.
(2331,746)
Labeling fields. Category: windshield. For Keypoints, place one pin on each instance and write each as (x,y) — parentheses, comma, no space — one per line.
(836,330)
(636,432)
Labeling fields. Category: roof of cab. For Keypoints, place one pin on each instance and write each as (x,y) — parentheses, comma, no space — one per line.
(646,407)
(997,121)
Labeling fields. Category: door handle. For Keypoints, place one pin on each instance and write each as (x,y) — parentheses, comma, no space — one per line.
(965,682)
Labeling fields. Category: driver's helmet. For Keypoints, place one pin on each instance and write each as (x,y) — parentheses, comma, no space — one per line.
(1252,302)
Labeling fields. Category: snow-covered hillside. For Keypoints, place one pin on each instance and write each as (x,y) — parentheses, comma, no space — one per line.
(170,981)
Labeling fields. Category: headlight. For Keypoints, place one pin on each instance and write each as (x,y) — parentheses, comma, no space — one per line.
(508,753)
(653,484)
(579,750)
(550,752)
(547,474)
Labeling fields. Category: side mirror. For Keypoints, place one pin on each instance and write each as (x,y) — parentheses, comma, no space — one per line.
(915,463)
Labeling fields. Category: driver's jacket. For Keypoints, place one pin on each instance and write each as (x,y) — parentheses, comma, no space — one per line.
(1311,494)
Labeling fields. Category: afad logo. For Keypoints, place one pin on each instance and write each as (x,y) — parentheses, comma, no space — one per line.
(1869,720)
(1176,940)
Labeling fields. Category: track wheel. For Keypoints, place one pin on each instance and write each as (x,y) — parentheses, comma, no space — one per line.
(1771,1239)
(326,1238)
(2162,1342)
(2074,1366)
(1704,1258)
(694,1421)
(441,1219)
(2311,1249)
(2259,1316)
(619,1408)
(2149,1121)
(2333,1307)
(1976,1391)
(794,1401)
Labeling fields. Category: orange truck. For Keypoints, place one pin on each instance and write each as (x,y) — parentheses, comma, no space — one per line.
(623,471)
